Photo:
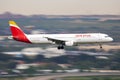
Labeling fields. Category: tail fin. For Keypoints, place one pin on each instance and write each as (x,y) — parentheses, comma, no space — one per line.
(17,33)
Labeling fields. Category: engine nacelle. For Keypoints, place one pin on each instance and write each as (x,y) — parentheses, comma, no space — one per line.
(69,43)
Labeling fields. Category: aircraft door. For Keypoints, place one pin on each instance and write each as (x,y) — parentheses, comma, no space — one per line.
(99,37)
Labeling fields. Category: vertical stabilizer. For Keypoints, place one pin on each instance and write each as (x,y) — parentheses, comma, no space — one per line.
(17,33)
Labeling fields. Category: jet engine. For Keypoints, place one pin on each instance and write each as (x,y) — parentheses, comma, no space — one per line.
(69,43)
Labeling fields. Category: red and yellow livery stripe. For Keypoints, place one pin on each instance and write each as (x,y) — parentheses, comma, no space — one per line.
(17,33)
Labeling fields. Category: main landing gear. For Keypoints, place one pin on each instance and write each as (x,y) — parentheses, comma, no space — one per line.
(60,47)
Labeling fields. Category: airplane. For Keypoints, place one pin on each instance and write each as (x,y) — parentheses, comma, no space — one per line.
(61,40)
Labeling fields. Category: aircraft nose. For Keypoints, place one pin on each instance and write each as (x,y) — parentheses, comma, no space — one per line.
(110,39)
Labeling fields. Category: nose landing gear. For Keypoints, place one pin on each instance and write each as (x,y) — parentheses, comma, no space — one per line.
(100,46)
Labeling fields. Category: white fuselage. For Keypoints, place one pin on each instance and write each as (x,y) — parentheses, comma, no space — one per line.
(76,38)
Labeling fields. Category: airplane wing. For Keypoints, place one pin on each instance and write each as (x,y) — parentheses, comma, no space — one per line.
(56,40)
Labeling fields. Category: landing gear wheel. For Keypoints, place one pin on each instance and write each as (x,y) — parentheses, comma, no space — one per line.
(60,47)
(100,46)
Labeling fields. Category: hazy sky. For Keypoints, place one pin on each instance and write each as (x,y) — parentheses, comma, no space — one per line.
(59,7)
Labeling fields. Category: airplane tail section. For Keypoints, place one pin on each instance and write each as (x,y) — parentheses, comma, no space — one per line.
(17,33)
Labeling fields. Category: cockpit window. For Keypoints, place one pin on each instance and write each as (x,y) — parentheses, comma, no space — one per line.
(106,36)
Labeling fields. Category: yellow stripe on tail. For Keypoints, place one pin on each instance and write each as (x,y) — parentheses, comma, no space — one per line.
(13,24)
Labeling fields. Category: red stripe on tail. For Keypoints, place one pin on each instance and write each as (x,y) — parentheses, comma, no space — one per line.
(18,34)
